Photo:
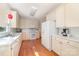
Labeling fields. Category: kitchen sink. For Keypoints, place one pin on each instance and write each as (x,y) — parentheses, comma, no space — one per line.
(9,35)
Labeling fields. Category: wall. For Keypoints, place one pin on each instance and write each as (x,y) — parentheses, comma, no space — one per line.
(29,23)
(51,15)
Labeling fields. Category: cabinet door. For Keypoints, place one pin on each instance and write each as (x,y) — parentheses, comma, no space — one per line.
(37,34)
(5,51)
(60,16)
(57,45)
(15,49)
(25,35)
(72,15)
(69,50)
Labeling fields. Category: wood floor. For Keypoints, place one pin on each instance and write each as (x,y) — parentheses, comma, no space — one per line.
(34,48)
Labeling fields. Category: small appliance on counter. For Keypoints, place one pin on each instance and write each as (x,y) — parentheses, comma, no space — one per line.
(16,30)
(65,31)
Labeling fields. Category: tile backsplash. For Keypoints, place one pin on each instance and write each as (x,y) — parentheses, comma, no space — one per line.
(59,30)
(74,31)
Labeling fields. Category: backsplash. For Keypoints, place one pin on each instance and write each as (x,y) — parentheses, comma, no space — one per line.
(74,31)
(59,31)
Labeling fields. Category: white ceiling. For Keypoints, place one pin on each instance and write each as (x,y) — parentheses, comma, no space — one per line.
(24,9)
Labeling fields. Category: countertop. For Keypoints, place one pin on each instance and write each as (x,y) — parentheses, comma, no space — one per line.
(8,40)
(76,39)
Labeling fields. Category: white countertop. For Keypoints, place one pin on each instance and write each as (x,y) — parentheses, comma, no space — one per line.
(76,39)
(8,40)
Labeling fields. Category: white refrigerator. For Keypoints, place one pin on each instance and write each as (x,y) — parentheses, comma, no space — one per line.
(48,30)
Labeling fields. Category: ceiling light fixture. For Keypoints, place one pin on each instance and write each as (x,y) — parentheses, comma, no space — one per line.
(33,11)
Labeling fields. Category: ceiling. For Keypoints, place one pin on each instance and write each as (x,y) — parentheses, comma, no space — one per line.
(24,9)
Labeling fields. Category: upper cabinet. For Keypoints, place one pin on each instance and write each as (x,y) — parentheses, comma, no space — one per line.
(13,19)
(67,15)
(60,22)
(72,15)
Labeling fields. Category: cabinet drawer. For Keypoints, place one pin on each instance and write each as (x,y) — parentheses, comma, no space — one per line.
(74,44)
(62,39)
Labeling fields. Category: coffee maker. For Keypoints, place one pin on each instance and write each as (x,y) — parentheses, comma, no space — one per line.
(65,31)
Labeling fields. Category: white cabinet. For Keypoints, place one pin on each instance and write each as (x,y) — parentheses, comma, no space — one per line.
(72,15)
(60,21)
(67,15)
(15,47)
(56,44)
(5,50)
(65,47)
(11,49)
(69,50)
(30,34)
(37,34)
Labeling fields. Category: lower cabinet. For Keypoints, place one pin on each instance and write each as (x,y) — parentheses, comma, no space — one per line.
(65,47)
(69,50)
(56,46)
(12,49)
(15,47)
(5,50)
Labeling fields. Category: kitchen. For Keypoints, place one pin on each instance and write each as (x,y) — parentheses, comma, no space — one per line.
(39,29)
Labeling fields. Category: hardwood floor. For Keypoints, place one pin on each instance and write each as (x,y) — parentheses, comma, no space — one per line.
(34,48)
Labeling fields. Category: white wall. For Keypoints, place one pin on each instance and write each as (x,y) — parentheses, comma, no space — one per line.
(51,15)
(26,24)
(29,23)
